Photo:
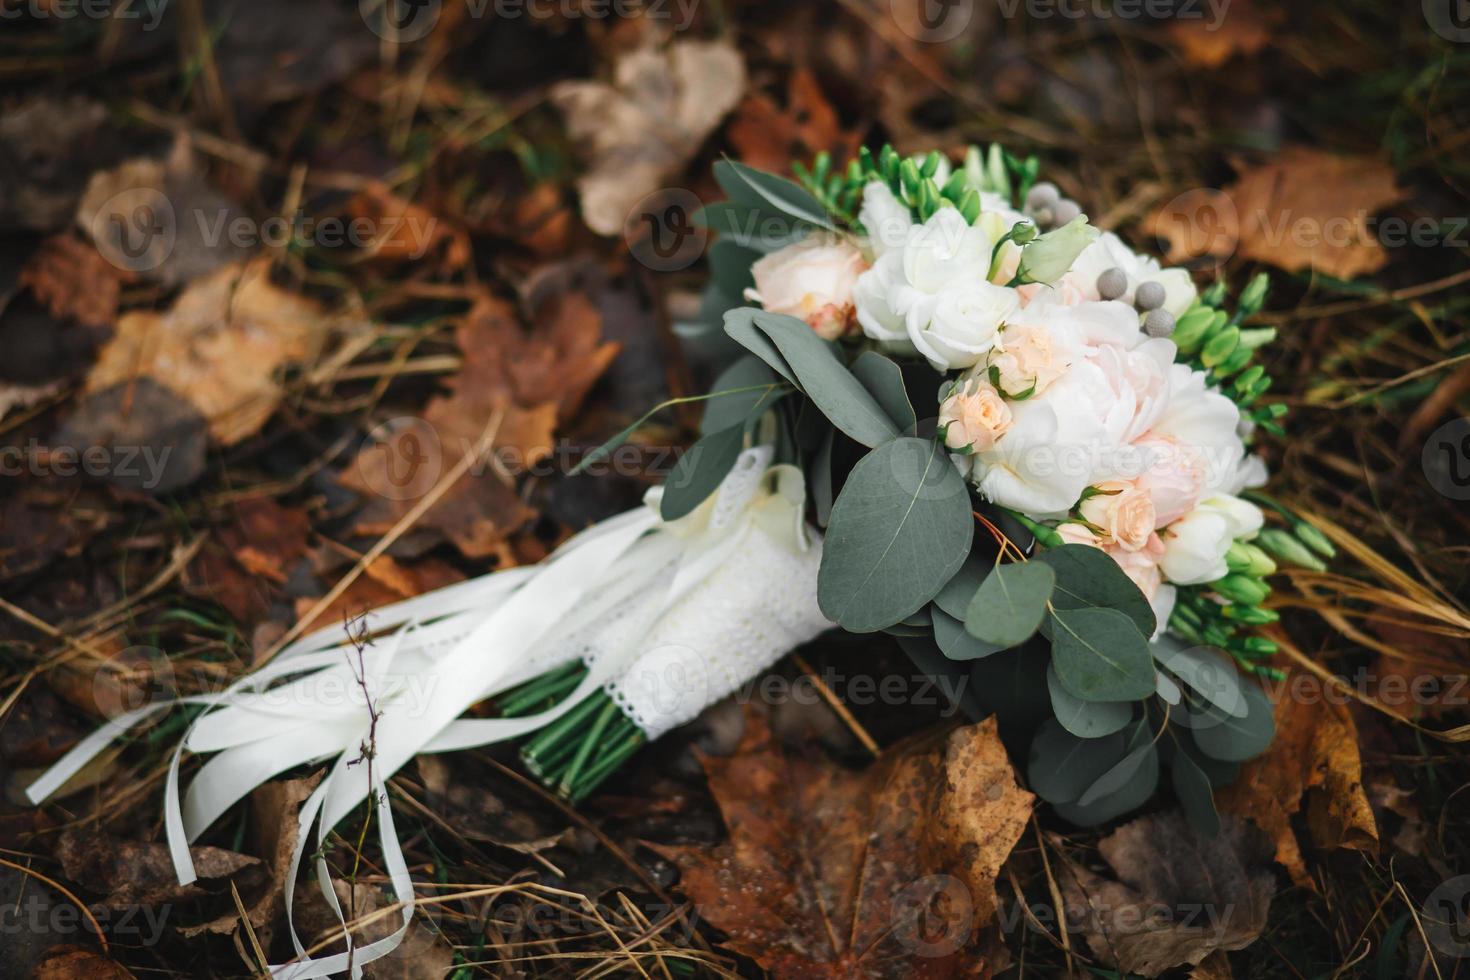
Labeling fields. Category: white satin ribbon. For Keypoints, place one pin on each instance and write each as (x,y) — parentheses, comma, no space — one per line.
(450,649)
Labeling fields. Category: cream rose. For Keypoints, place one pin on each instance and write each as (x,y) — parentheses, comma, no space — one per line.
(813,281)
(1029,357)
(973,417)
(1123,512)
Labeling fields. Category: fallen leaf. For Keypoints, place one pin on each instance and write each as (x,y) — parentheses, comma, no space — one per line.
(422,955)
(138,435)
(219,347)
(531,380)
(41,351)
(1208,41)
(401,231)
(74,281)
(648,123)
(1303,209)
(1216,966)
(771,138)
(832,873)
(78,963)
(265,537)
(37,526)
(1180,897)
(274,830)
(161,219)
(1313,761)
(139,872)
(49,147)
(274,50)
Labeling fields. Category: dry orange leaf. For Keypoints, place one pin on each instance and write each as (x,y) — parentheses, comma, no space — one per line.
(531,380)
(73,281)
(770,138)
(888,872)
(401,231)
(219,347)
(1307,209)
(1313,762)
(1208,40)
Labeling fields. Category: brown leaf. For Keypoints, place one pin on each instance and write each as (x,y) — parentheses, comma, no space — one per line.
(274,829)
(161,219)
(266,538)
(1303,209)
(402,231)
(150,438)
(78,963)
(219,346)
(49,146)
(1209,41)
(836,873)
(73,281)
(648,123)
(770,138)
(1313,761)
(1181,895)
(138,872)
(533,379)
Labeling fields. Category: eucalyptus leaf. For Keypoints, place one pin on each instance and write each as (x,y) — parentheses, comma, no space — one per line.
(750,384)
(1165,688)
(1087,578)
(900,529)
(951,678)
(1062,766)
(821,479)
(1230,739)
(729,266)
(826,380)
(1010,603)
(884,381)
(956,641)
(758,229)
(1127,786)
(955,597)
(1099,655)
(1121,774)
(756,188)
(1208,673)
(1086,719)
(700,470)
(740,325)
(1196,796)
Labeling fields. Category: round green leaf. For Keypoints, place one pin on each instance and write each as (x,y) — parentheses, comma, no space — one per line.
(899,531)
(1086,719)
(1062,766)
(1099,655)
(956,642)
(1231,739)
(1011,602)
(1087,578)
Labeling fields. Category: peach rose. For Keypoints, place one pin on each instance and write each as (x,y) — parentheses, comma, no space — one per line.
(975,415)
(1027,356)
(811,280)
(1142,565)
(1172,477)
(1124,512)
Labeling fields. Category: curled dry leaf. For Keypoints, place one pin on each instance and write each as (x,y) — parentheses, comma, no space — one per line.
(1180,897)
(1313,762)
(139,872)
(531,379)
(769,137)
(647,124)
(401,231)
(884,873)
(153,439)
(219,347)
(274,828)
(1210,40)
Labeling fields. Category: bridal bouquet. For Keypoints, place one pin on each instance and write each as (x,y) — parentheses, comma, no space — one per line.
(950,410)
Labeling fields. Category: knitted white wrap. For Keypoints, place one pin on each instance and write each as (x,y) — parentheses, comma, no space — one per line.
(668,617)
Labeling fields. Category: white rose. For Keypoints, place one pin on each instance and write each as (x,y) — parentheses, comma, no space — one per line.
(811,280)
(945,250)
(871,295)
(1202,424)
(1195,546)
(887,220)
(955,329)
